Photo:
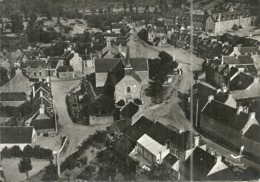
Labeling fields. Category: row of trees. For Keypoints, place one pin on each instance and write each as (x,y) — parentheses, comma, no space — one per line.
(28,151)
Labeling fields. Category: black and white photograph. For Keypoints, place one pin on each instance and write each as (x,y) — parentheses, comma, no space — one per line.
(129,90)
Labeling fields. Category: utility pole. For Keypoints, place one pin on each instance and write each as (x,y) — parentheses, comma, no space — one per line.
(2,28)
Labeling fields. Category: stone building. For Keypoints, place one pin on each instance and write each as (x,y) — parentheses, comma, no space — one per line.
(130,87)
(220,22)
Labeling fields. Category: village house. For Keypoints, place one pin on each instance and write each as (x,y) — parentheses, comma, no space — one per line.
(17,136)
(42,117)
(116,27)
(127,111)
(225,123)
(117,128)
(138,128)
(251,141)
(19,83)
(157,32)
(201,92)
(171,29)
(198,23)
(52,65)
(65,72)
(72,58)
(181,144)
(204,165)
(221,22)
(12,99)
(173,162)
(35,68)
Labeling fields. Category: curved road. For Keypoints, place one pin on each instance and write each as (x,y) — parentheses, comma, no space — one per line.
(75,133)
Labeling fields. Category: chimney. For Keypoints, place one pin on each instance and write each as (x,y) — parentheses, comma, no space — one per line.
(42,107)
(252,115)
(33,91)
(239,109)
(119,48)
(41,93)
(218,158)
(210,98)
(196,141)
(245,109)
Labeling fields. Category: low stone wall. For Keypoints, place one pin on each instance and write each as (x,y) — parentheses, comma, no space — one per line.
(97,120)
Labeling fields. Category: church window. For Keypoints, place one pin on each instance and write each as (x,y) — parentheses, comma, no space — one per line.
(128,89)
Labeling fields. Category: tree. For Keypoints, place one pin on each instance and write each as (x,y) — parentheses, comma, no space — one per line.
(124,6)
(50,173)
(93,10)
(25,166)
(28,151)
(131,9)
(155,9)
(147,8)
(17,23)
(136,10)
(143,34)
(160,172)
(165,57)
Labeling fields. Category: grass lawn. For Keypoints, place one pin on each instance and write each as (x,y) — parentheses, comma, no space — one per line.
(11,171)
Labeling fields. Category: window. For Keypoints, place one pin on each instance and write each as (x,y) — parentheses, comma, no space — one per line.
(128,89)
(34,73)
(40,73)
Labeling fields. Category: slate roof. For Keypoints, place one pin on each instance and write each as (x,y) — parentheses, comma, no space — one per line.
(226,115)
(202,91)
(253,133)
(245,50)
(45,86)
(227,50)
(34,64)
(118,25)
(129,110)
(162,134)
(15,134)
(120,126)
(233,71)
(66,53)
(65,69)
(241,82)
(170,159)
(12,96)
(202,161)
(241,59)
(138,128)
(41,124)
(103,65)
(250,69)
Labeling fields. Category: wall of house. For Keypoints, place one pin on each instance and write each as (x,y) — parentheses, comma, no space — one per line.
(101,79)
(251,146)
(65,75)
(148,156)
(223,26)
(121,89)
(12,103)
(76,63)
(210,24)
(35,72)
(13,144)
(219,131)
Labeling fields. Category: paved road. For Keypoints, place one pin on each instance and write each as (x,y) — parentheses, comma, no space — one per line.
(75,133)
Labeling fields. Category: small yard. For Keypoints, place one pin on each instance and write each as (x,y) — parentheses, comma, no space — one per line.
(11,171)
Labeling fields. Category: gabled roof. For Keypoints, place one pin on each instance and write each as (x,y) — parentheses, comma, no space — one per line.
(138,128)
(43,85)
(129,110)
(244,50)
(170,159)
(65,69)
(227,50)
(241,82)
(226,115)
(202,91)
(105,65)
(162,134)
(253,133)
(16,134)
(120,126)
(151,145)
(34,64)
(41,124)
(201,161)
(12,96)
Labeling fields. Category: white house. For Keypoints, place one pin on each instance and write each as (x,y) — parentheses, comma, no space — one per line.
(16,135)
